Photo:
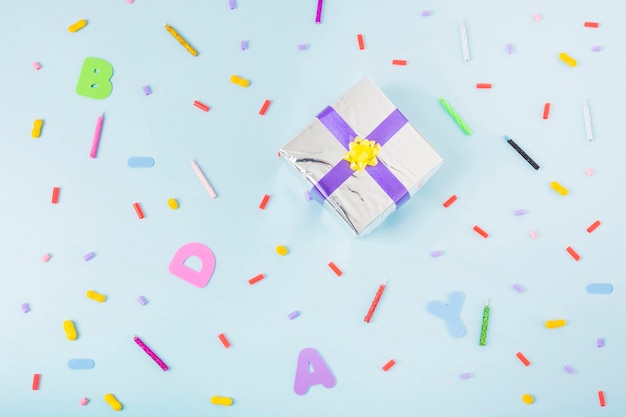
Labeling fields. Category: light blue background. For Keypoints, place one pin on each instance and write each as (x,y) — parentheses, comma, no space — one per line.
(237,150)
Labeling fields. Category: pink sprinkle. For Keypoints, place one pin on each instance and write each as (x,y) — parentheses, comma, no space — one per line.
(84,401)
(589,172)
(509,48)
(467,375)
(537,17)
(533,234)
(37,65)
(46,257)
(596,48)
(518,288)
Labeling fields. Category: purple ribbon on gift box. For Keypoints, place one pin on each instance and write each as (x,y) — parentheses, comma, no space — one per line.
(379,172)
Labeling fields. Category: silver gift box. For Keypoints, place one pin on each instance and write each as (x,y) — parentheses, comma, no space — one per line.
(363,199)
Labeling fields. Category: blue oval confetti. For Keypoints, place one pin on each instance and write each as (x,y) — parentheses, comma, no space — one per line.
(599,288)
(140,162)
(81,364)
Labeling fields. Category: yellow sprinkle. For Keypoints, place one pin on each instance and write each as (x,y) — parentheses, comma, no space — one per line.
(226,401)
(70,330)
(172,203)
(37,128)
(281,250)
(528,399)
(113,402)
(567,59)
(558,188)
(75,27)
(101,298)
(553,324)
(235,79)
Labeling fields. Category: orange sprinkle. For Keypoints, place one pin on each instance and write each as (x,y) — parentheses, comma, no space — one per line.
(335,269)
(481,232)
(388,365)
(399,62)
(449,201)
(546,110)
(483,85)
(36,378)
(573,253)
(522,358)
(256,279)
(224,341)
(359,38)
(594,226)
(601,398)
(55,195)
(592,24)
(266,105)
(264,202)
(201,106)
(138,210)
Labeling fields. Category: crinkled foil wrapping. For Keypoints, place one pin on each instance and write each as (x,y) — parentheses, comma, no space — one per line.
(360,201)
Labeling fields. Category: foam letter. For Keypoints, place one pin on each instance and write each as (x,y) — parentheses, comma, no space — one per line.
(198,278)
(321,373)
(94,79)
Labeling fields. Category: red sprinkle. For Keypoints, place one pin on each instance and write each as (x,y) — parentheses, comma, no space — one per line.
(264,202)
(546,110)
(201,106)
(449,201)
(266,105)
(399,62)
(601,398)
(572,252)
(359,38)
(256,279)
(592,24)
(481,232)
(594,226)
(224,341)
(138,210)
(335,269)
(522,358)
(55,195)
(36,378)
(483,85)
(388,365)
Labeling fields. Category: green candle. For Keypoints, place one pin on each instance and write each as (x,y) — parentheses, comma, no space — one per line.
(455,116)
(483,329)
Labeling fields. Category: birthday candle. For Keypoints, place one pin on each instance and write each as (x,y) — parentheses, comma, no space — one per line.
(203,179)
(587,121)
(150,353)
(96,137)
(466,54)
(379,294)
(483,329)
(318,14)
(521,152)
(181,40)
(455,116)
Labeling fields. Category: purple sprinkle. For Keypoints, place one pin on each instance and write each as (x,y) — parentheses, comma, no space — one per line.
(518,288)
(142,300)
(467,375)
(509,48)
(520,212)
(436,253)
(600,342)
(232,4)
(244,45)
(596,48)
(307,195)
(569,369)
(25,308)
(89,256)
(293,315)
(303,47)
(426,13)
(146,90)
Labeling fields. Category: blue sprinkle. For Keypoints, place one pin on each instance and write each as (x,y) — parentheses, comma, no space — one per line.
(599,288)
(140,162)
(81,364)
